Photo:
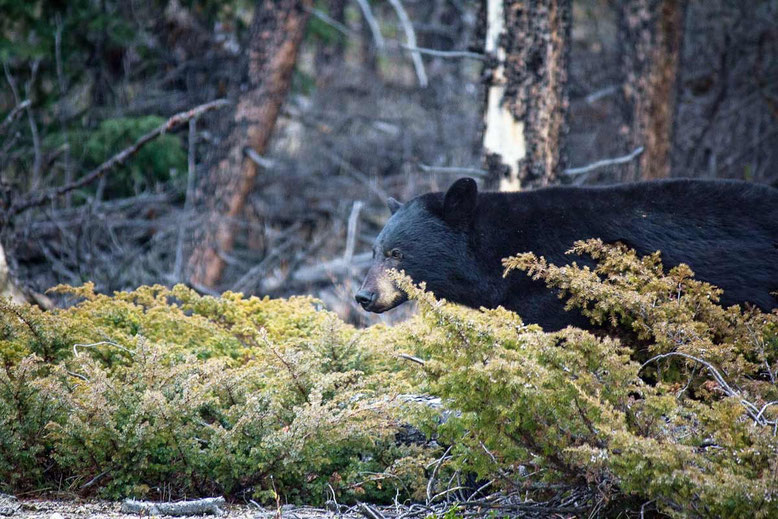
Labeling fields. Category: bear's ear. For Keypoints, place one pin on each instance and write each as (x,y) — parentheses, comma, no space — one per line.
(393,204)
(459,202)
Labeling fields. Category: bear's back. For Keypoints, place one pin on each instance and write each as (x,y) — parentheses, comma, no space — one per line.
(727,231)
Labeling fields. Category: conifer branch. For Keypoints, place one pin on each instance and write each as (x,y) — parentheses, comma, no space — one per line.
(120,158)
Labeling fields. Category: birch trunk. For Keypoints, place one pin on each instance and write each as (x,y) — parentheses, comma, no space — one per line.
(526,98)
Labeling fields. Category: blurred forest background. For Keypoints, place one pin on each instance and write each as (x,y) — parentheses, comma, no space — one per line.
(333,105)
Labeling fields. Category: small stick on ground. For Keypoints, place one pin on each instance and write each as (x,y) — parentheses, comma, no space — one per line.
(208,505)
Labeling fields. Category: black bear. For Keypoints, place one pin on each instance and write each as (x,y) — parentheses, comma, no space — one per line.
(726,231)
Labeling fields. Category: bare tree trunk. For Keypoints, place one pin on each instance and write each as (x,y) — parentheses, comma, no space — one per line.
(651,34)
(277,29)
(526,99)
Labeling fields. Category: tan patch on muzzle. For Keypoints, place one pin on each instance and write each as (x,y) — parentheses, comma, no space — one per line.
(387,292)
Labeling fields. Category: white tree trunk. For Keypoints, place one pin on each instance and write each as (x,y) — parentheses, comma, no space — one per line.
(526,98)
(504,134)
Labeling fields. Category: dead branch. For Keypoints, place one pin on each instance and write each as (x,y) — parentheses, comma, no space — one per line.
(351,234)
(445,53)
(751,409)
(13,114)
(604,163)
(40,198)
(431,482)
(369,512)
(279,250)
(601,93)
(411,358)
(324,17)
(334,268)
(258,159)
(367,13)
(410,35)
(456,170)
(101,343)
(208,505)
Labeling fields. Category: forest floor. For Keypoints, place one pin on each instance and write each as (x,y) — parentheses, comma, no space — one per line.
(76,509)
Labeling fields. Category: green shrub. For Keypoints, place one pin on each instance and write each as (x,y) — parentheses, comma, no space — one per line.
(692,429)
(164,392)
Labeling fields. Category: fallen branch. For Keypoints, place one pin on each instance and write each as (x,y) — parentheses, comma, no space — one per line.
(370,512)
(209,505)
(117,160)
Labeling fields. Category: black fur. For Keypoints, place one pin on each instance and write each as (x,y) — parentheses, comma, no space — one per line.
(726,231)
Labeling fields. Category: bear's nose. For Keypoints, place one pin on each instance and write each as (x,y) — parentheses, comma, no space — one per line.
(364,297)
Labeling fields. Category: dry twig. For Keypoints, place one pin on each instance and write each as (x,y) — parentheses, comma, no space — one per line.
(605,162)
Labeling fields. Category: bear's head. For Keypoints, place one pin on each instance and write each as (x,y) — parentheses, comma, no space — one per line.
(428,238)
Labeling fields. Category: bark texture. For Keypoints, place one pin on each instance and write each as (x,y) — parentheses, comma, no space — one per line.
(527,97)
(276,31)
(651,35)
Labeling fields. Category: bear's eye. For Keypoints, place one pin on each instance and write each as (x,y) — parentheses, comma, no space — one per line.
(396,254)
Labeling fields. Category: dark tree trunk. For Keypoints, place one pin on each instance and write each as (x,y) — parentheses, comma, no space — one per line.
(276,31)
(527,98)
(651,33)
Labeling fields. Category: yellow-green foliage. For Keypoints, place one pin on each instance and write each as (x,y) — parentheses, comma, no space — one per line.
(694,430)
(161,390)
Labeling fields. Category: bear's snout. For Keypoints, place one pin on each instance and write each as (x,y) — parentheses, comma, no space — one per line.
(365,298)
